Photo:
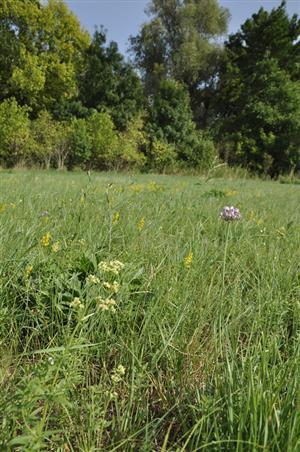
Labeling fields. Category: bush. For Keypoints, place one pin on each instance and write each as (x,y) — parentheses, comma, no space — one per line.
(128,151)
(202,152)
(161,155)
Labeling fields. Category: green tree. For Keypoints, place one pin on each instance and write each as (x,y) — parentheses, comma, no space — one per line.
(92,141)
(44,133)
(107,81)
(14,132)
(180,42)
(45,45)
(259,94)
(171,121)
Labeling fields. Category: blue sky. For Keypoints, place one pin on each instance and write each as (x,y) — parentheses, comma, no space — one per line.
(122,18)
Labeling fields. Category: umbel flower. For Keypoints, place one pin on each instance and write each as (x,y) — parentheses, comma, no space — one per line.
(230,214)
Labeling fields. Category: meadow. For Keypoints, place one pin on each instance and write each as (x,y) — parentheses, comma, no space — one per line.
(133,318)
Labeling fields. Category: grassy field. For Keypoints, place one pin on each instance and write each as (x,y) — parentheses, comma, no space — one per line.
(133,318)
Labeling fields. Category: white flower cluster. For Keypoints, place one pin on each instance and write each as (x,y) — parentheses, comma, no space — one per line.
(118,373)
(114,287)
(76,303)
(107,304)
(112,266)
(93,279)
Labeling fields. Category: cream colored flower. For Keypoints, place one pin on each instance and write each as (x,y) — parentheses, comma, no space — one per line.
(76,303)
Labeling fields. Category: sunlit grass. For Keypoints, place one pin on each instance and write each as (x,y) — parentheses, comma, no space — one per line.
(193,345)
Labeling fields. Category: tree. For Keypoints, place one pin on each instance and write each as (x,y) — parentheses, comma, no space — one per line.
(107,81)
(45,45)
(171,121)
(180,42)
(14,132)
(259,94)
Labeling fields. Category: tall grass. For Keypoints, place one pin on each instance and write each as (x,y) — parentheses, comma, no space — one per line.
(195,354)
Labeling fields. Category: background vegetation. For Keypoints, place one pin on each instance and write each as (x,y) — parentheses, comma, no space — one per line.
(68,99)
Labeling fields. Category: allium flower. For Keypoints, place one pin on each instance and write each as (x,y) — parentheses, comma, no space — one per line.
(230,213)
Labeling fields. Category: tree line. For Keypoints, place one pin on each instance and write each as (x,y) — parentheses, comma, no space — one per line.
(186,98)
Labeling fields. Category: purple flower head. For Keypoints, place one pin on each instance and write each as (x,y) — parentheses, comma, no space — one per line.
(230,213)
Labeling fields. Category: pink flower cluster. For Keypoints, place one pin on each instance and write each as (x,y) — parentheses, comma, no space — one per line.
(230,213)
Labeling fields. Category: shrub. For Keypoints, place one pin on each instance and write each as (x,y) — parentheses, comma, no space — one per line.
(128,151)
(162,155)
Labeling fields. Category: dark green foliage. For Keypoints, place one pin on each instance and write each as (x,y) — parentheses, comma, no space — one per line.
(109,82)
(171,120)
(259,94)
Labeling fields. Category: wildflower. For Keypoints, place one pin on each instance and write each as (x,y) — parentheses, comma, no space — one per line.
(188,260)
(56,247)
(141,224)
(45,213)
(259,221)
(111,266)
(230,213)
(51,360)
(118,373)
(76,303)
(28,271)
(2,207)
(107,304)
(114,287)
(251,215)
(45,240)
(115,218)
(92,279)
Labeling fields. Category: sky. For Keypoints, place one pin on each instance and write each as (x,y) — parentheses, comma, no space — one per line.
(122,18)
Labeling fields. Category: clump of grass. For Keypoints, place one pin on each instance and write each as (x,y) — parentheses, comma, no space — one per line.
(134,318)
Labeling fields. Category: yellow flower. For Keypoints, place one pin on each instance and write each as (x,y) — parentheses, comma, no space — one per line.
(116,218)
(141,224)
(2,207)
(56,247)
(28,271)
(45,240)
(259,221)
(251,215)
(188,260)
